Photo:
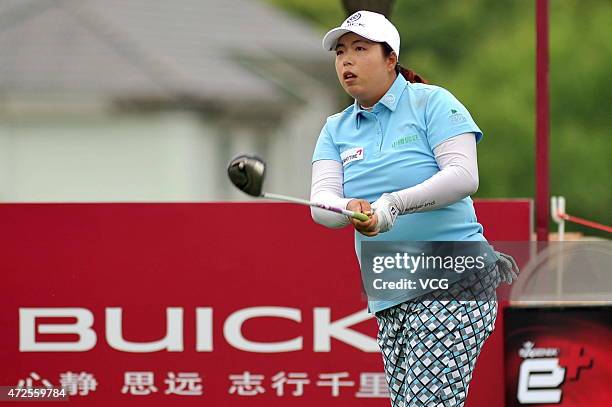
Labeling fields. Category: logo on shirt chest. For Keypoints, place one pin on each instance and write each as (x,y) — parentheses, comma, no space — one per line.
(404,140)
(354,154)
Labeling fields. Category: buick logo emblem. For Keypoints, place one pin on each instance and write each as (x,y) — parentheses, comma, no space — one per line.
(353,18)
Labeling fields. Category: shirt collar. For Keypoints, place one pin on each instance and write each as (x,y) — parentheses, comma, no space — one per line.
(389,99)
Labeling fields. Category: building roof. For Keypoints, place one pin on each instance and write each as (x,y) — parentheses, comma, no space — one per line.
(148,49)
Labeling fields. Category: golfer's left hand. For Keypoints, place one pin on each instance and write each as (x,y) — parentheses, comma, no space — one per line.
(367,228)
(386,209)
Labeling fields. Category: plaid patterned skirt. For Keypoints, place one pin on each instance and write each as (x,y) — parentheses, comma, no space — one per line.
(430,344)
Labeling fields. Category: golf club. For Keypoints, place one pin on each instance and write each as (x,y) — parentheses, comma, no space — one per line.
(247,173)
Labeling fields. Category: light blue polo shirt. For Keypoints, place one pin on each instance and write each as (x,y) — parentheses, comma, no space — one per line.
(391,148)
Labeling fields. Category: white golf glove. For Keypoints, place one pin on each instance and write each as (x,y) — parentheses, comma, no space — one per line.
(508,269)
(387,208)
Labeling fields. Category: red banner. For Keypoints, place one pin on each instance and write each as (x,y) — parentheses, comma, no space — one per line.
(242,304)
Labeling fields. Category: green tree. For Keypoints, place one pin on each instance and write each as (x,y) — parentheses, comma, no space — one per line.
(380,6)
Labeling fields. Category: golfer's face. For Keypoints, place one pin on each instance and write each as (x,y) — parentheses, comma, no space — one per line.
(360,65)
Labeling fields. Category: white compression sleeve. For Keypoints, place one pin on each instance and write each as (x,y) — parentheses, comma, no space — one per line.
(326,187)
(457,178)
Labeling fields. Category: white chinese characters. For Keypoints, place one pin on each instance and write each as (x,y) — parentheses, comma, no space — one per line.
(246,384)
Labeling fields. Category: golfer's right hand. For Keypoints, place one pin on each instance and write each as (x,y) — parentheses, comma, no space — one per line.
(367,228)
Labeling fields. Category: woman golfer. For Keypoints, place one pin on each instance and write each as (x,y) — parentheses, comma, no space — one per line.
(405,154)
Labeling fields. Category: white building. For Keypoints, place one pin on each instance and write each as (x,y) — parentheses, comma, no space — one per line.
(147,100)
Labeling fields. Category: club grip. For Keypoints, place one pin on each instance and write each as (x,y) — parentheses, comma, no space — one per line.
(361,216)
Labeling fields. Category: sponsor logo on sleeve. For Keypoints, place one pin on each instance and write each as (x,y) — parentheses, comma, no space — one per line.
(456,117)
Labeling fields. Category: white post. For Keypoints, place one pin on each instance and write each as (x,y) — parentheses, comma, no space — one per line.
(562,223)
(557,206)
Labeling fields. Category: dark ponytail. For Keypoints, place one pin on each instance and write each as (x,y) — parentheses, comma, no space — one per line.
(408,74)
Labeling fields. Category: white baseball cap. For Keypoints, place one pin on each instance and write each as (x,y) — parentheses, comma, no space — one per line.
(373,26)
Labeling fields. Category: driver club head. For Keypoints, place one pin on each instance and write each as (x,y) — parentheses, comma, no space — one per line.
(247,173)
